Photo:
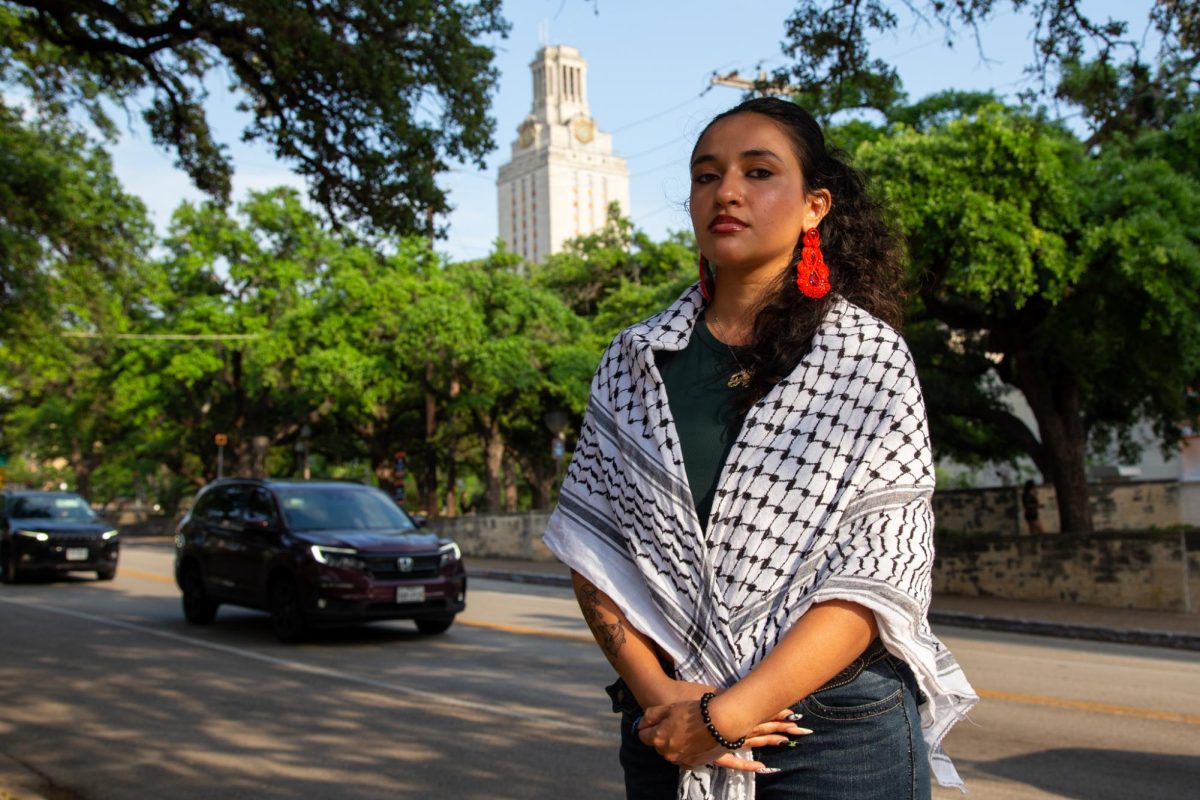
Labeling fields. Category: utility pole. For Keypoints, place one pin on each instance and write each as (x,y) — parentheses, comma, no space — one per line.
(760,85)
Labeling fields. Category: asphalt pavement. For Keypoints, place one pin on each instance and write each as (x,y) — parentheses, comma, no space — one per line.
(18,781)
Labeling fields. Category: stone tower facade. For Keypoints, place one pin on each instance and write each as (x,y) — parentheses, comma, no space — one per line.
(562,174)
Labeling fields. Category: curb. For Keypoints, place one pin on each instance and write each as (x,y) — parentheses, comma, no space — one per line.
(536,578)
(1093,633)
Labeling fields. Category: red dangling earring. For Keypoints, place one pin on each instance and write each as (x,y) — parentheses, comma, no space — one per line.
(812,276)
(706,277)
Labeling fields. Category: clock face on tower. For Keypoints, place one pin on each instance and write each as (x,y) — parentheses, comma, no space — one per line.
(584,128)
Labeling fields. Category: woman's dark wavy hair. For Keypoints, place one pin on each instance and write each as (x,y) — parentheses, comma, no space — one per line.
(862,249)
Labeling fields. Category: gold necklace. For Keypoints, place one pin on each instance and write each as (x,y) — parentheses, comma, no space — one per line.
(742,377)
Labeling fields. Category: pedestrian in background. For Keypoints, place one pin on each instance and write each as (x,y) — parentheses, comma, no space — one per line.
(747,512)
(1029,501)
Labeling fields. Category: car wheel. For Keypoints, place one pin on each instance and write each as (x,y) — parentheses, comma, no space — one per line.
(288,617)
(198,609)
(106,574)
(435,625)
(8,567)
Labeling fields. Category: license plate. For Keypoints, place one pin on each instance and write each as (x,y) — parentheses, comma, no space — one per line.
(410,594)
(77,554)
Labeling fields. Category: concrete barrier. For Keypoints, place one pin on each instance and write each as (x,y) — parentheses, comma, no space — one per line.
(1149,570)
(1157,571)
(498,535)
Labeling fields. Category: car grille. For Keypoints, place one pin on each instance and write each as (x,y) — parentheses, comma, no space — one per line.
(386,567)
(75,540)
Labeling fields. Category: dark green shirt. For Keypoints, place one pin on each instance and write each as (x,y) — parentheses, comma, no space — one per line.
(705,410)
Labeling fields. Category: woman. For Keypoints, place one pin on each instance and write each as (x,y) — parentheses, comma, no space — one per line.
(747,513)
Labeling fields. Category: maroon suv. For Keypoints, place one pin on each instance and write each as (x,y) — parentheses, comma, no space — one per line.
(312,553)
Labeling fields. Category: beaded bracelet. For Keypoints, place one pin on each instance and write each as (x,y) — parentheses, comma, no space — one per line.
(712,729)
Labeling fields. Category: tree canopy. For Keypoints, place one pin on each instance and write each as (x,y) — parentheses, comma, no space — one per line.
(1068,276)
(1103,67)
(1057,265)
(368,101)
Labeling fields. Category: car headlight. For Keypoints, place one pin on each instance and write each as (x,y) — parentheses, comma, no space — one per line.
(41,537)
(449,553)
(109,534)
(340,557)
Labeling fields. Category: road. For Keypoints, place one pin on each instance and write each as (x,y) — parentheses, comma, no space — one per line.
(109,695)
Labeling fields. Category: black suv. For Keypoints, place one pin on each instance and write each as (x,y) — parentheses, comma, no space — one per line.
(314,552)
(53,532)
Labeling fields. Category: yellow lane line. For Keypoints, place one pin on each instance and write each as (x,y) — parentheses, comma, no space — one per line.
(523,631)
(146,576)
(990,694)
(1084,705)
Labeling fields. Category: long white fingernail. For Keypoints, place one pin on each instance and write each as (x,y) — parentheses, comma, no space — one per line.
(768,770)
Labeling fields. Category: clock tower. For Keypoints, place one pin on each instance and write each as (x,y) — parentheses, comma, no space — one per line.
(562,174)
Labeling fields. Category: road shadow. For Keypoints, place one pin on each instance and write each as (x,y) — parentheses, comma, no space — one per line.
(359,713)
(1094,774)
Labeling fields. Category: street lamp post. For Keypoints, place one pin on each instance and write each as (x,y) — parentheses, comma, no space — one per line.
(221,440)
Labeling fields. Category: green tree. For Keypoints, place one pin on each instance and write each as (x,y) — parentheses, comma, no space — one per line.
(1071,277)
(367,100)
(455,364)
(232,287)
(617,274)
(376,323)
(73,270)
(64,220)
(1097,65)
(529,354)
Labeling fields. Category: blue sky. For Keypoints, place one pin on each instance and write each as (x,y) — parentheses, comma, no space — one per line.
(649,65)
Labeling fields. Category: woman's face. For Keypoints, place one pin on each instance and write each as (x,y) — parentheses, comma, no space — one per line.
(748,201)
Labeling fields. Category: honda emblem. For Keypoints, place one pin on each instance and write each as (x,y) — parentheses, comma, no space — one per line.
(404,563)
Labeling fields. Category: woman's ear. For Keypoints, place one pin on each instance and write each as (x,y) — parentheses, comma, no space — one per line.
(817,205)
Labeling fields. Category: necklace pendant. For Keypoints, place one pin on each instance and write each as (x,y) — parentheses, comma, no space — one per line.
(739,379)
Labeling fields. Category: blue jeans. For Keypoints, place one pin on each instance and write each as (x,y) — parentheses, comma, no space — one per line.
(866,742)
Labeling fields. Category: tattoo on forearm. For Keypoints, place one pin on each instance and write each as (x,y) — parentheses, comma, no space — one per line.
(610,635)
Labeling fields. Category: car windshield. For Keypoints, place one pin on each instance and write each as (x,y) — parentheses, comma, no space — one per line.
(63,507)
(338,508)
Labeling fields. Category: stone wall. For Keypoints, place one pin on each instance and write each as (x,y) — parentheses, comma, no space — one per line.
(498,535)
(1125,506)
(1153,570)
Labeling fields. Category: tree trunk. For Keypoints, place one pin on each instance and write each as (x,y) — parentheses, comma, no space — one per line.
(81,465)
(510,486)
(428,478)
(1055,404)
(451,487)
(494,465)
(448,448)
(540,475)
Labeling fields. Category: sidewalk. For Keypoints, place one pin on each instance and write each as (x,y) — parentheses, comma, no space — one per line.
(1064,620)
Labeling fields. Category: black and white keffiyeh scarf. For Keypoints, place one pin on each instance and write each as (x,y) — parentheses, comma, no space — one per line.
(825,495)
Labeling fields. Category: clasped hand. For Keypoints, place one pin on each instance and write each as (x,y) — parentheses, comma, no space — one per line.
(677,731)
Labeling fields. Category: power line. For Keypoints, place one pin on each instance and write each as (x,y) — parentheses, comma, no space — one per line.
(663,113)
(655,149)
(214,337)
